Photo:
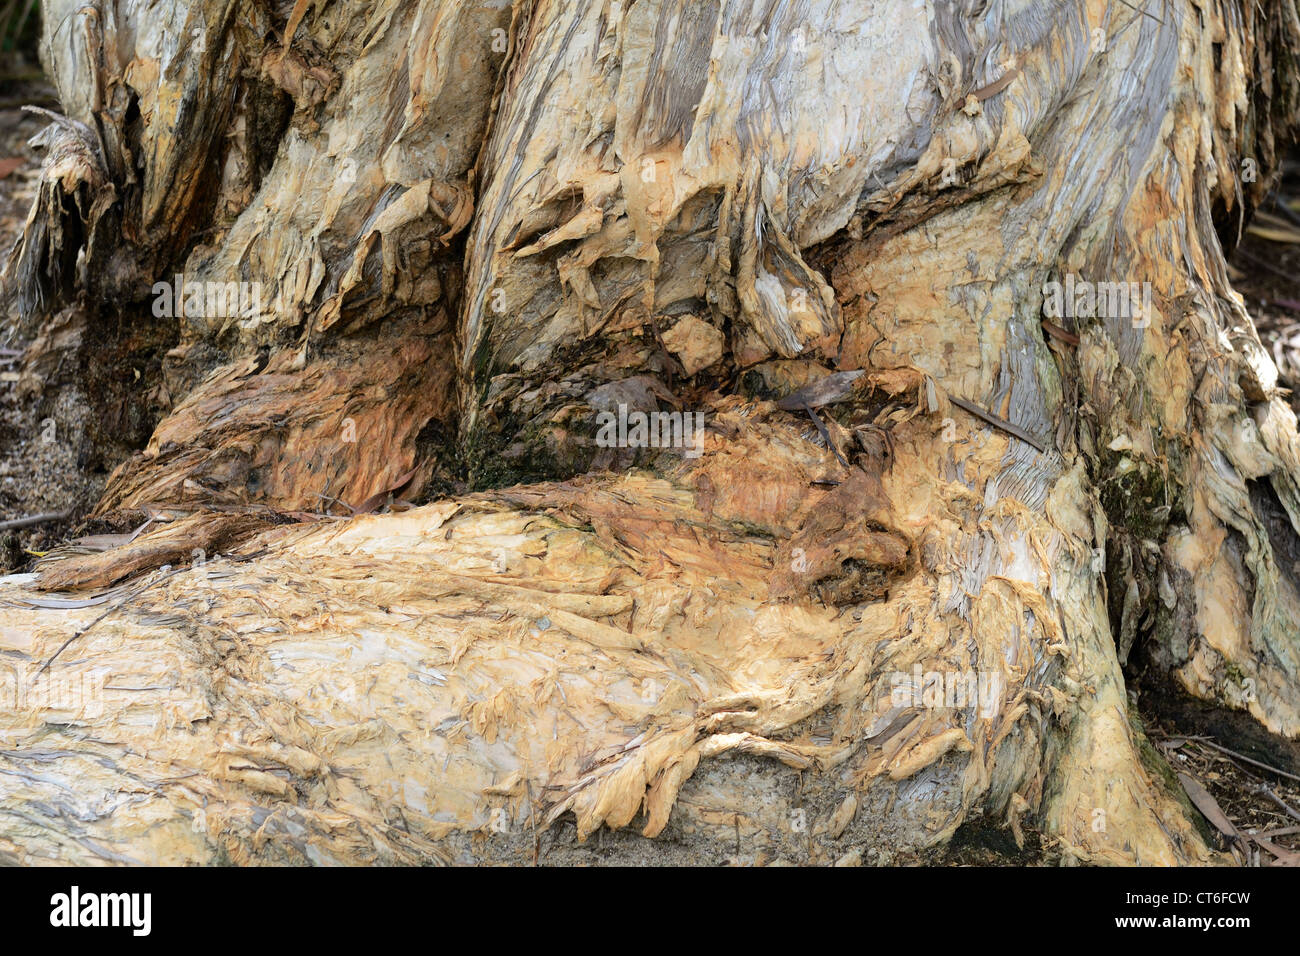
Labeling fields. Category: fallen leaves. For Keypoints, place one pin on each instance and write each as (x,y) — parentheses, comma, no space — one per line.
(1236,811)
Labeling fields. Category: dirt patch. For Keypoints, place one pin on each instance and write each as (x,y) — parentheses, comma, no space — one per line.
(36,476)
(1262,804)
(78,393)
(1265,269)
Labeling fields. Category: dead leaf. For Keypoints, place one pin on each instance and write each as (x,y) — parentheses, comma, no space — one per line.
(1284,856)
(375,500)
(1208,806)
(1289,236)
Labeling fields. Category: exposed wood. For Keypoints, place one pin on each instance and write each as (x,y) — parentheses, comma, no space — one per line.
(476,228)
(188,541)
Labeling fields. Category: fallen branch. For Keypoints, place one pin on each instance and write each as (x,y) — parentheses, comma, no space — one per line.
(1233,753)
(1268,792)
(14,524)
(1283,831)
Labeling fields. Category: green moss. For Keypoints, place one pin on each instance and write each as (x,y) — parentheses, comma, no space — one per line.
(535,455)
(1136,499)
(754,386)
(482,365)
(486,466)
(1158,768)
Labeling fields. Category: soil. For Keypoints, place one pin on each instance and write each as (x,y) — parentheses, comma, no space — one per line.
(77,395)
(39,471)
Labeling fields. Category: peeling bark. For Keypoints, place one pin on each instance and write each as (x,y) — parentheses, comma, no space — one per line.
(489,223)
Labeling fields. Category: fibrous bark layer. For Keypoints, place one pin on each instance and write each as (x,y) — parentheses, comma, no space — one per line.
(475,228)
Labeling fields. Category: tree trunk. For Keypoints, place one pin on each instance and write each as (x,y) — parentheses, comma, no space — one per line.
(951,475)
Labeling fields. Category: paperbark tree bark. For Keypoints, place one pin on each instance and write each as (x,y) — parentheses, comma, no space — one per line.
(889,590)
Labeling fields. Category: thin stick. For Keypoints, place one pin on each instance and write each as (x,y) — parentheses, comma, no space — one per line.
(1284,831)
(335,501)
(1268,792)
(107,611)
(1233,753)
(16,523)
(998,422)
(1144,13)
(826,436)
(1286,210)
(64,646)
(1257,261)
